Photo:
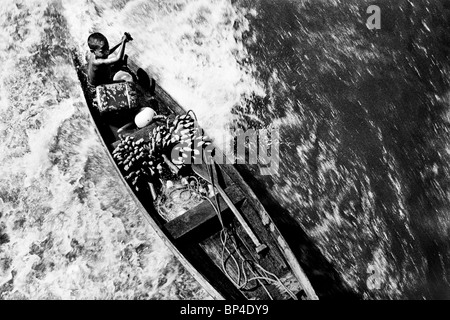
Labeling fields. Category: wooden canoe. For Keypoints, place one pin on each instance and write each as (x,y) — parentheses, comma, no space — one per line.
(203,242)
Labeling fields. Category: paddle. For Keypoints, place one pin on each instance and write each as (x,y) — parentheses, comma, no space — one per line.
(202,171)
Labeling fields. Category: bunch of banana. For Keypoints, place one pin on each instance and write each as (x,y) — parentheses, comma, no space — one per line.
(137,160)
(159,139)
(144,161)
(186,138)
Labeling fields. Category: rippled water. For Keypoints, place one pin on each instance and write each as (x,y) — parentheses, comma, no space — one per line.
(364,139)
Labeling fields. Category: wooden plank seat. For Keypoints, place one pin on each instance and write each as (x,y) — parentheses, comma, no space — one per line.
(194,218)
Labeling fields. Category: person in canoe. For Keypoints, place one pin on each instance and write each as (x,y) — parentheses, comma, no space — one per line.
(101,62)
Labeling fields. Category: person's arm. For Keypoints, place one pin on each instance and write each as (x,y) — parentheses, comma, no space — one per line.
(113,60)
(127,36)
(114,48)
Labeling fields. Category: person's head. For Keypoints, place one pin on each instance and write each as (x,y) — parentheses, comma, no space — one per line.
(99,45)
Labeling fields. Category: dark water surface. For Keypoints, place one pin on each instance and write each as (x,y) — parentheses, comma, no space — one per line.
(363,183)
(364,136)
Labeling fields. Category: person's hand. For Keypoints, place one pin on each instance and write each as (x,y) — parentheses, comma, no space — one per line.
(127,37)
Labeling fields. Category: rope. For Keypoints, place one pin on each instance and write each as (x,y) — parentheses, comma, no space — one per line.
(193,113)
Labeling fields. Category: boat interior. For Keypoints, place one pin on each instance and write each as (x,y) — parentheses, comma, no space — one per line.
(240,263)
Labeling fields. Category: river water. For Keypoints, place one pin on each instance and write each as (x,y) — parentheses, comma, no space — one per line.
(363,125)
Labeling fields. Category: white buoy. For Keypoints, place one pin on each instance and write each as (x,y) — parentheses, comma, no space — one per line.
(144,117)
(123,76)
